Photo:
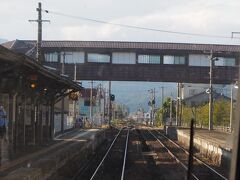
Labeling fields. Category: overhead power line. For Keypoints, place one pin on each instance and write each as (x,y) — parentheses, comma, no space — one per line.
(140,27)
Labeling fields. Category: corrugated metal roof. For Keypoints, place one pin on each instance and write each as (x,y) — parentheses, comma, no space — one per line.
(140,45)
(135,45)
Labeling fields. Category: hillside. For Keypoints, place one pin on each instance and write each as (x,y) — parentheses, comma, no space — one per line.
(135,94)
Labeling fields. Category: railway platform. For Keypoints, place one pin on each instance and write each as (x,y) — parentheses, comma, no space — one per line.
(214,145)
(44,161)
(220,139)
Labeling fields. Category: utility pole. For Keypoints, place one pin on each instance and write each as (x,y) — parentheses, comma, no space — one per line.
(231,109)
(113,111)
(100,103)
(75,72)
(109,104)
(177,105)
(212,59)
(162,95)
(74,102)
(210,127)
(231,106)
(171,110)
(63,56)
(162,101)
(152,104)
(154,97)
(181,104)
(62,99)
(104,104)
(63,63)
(91,102)
(39,39)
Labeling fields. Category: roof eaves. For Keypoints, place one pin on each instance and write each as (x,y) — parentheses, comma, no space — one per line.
(30,63)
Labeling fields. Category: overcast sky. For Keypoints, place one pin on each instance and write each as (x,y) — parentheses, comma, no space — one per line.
(217,17)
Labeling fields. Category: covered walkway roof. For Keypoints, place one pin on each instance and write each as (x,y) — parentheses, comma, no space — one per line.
(27,46)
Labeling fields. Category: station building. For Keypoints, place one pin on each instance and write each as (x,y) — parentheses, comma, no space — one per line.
(28,94)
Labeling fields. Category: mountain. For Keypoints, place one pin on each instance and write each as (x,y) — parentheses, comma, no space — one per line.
(135,95)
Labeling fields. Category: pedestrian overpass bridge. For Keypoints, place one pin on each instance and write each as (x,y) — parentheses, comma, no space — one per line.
(137,61)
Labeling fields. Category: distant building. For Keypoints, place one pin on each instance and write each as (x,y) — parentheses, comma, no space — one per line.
(194,92)
(189,89)
(140,115)
(68,114)
(202,98)
(97,105)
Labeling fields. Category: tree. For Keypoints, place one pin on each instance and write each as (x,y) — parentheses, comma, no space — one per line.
(159,117)
(166,108)
(164,112)
(220,114)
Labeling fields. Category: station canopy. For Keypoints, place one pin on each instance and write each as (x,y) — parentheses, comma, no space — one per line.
(19,72)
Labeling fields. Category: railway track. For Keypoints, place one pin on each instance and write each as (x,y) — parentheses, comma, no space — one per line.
(201,169)
(168,166)
(147,154)
(113,163)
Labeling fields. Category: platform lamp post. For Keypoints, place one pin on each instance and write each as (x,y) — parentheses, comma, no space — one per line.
(212,60)
(233,86)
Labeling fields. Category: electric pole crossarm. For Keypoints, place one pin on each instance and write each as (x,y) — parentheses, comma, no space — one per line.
(39,21)
(39,40)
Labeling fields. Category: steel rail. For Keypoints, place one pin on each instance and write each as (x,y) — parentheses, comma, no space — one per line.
(95,172)
(172,155)
(196,158)
(125,156)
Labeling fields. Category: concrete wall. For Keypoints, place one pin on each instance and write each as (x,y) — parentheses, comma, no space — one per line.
(214,152)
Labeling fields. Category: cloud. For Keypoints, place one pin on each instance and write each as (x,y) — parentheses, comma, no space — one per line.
(195,16)
(89,32)
(209,19)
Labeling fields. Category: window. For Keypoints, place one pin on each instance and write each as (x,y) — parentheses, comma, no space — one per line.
(173,60)
(230,62)
(198,60)
(99,58)
(149,59)
(72,57)
(168,59)
(224,61)
(51,57)
(78,57)
(179,60)
(123,58)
